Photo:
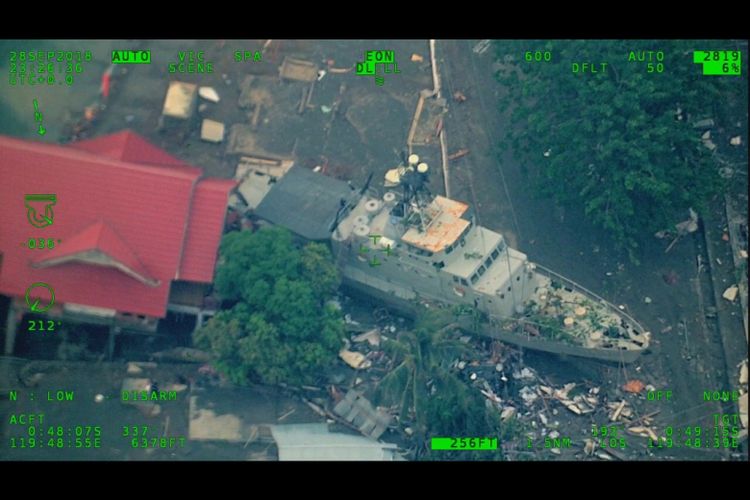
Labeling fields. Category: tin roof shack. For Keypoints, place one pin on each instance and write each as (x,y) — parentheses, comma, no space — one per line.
(358,411)
(256,177)
(316,442)
(179,108)
(305,202)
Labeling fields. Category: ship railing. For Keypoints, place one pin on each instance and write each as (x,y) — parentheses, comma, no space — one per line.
(588,293)
(508,323)
(543,329)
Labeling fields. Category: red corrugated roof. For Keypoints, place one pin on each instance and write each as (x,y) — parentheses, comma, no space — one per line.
(130,147)
(107,205)
(207,214)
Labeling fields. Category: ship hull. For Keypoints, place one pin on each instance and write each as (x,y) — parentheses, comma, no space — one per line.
(611,355)
(400,303)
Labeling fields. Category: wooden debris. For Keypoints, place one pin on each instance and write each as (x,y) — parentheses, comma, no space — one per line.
(643,432)
(458,154)
(645,418)
(340,70)
(491,396)
(731,293)
(297,69)
(372,337)
(317,409)
(256,116)
(356,360)
(212,131)
(615,453)
(282,417)
(439,127)
(617,412)
(589,447)
(507,413)
(302,101)
(257,160)
(310,94)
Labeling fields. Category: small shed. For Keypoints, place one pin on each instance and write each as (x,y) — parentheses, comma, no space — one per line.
(358,411)
(298,70)
(180,104)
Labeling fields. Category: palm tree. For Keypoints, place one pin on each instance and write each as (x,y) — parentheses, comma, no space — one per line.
(421,359)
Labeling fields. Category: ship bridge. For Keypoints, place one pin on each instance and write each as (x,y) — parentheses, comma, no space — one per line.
(479,245)
(488,265)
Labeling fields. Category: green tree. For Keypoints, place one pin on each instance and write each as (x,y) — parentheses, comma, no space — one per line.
(457,410)
(619,143)
(278,328)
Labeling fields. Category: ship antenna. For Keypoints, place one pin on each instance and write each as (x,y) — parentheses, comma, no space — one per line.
(367,184)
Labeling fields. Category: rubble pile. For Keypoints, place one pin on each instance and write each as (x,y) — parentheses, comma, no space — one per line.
(546,412)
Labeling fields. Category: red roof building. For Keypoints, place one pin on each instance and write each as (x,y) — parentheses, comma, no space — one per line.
(128,219)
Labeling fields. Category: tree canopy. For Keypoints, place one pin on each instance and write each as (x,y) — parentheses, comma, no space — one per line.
(278,328)
(619,143)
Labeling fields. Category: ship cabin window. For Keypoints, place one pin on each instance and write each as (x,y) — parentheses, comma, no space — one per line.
(474,278)
(481,270)
(419,251)
(518,278)
(509,289)
(455,279)
(463,242)
(501,246)
(439,265)
(448,249)
(488,262)
(464,282)
(495,253)
(502,296)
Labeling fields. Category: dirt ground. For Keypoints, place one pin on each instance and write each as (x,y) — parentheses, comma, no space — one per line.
(38,382)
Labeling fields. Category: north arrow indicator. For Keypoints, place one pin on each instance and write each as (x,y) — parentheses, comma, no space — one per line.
(46,302)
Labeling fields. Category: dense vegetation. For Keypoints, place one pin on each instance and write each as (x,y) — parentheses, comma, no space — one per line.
(277,327)
(618,143)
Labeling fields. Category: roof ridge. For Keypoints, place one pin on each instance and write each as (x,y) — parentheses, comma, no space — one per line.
(72,153)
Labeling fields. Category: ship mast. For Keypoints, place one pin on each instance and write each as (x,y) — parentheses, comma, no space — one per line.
(417,196)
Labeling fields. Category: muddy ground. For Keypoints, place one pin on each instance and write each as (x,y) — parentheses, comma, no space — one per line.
(687,361)
(366,132)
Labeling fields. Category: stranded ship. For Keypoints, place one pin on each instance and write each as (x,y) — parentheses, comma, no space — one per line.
(408,247)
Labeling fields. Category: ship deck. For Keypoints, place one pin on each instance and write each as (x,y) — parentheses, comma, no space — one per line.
(444,225)
(568,312)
